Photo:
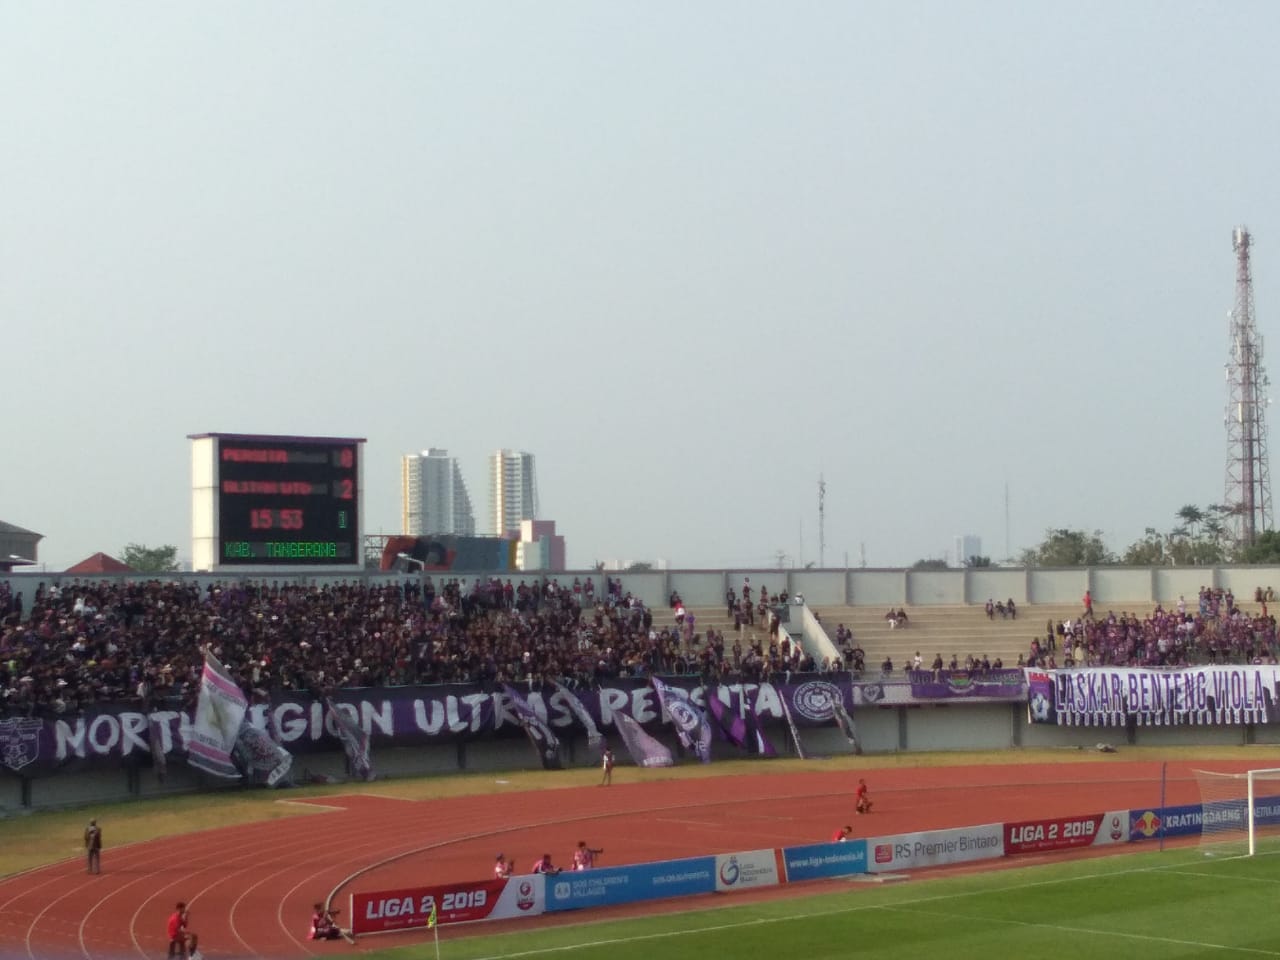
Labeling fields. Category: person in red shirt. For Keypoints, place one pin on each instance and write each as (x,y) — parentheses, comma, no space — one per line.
(584,858)
(183,942)
(324,925)
(862,800)
(842,834)
(545,865)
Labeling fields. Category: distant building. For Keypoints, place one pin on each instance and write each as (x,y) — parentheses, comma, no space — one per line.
(513,491)
(17,547)
(433,496)
(99,563)
(967,545)
(540,547)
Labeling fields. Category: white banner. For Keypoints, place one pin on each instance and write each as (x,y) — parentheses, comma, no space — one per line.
(750,868)
(1114,696)
(933,848)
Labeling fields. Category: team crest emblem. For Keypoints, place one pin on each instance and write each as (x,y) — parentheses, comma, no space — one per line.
(19,742)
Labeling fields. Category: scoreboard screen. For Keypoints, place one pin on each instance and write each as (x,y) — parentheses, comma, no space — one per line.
(287,501)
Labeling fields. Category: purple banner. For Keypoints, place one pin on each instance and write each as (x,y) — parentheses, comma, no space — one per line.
(930,686)
(399,716)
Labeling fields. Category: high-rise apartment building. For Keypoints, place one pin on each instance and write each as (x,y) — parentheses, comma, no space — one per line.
(513,491)
(433,495)
(968,546)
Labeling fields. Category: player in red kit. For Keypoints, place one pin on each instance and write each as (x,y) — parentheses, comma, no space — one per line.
(862,799)
(183,943)
(841,835)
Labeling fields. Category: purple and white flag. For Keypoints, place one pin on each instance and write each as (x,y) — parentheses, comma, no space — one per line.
(730,724)
(791,725)
(690,723)
(595,739)
(544,741)
(219,714)
(645,750)
(354,741)
(845,722)
(155,740)
(757,743)
(262,759)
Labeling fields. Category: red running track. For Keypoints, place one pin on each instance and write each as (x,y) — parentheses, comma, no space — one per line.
(250,888)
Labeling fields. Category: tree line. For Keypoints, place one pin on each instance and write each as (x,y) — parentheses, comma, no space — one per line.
(1201,537)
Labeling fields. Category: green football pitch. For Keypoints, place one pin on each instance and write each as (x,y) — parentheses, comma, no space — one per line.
(1175,904)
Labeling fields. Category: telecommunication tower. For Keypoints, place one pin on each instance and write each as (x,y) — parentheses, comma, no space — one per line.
(822,523)
(1248,490)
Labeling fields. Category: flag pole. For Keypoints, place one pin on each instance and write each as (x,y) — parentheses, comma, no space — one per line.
(433,921)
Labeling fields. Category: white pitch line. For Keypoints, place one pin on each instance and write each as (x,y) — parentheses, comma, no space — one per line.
(310,805)
(859,908)
(1062,928)
(1221,876)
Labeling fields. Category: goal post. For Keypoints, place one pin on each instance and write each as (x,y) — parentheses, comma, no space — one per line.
(1238,810)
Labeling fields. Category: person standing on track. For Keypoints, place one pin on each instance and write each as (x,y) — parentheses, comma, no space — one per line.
(862,799)
(93,846)
(501,868)
(584,858)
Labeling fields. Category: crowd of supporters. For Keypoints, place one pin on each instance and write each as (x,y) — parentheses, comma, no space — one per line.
(1215,631)
(82,642)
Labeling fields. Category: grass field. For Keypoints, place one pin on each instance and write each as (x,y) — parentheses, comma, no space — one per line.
(1176,904)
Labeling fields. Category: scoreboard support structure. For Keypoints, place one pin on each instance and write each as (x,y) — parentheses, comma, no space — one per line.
(264,503)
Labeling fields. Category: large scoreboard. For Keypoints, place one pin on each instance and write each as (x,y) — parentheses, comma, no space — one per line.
(273,501)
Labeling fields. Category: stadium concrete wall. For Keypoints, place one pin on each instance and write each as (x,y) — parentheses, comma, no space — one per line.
(861,587)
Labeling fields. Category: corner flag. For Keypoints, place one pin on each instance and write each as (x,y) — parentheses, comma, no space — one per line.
(434,927)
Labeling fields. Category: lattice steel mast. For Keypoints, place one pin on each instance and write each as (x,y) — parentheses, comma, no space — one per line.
(1248,491)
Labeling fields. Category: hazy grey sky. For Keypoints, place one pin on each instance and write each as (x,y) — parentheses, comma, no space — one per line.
(690,255)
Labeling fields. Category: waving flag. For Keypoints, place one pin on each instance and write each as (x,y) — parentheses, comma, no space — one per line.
(690,722)
(791,725)
(728,723)
(262,759)
(845,722)
(595,740)
(757,743)
(541,736)
(155,739)
(216,724)
(354,741)
(644,749)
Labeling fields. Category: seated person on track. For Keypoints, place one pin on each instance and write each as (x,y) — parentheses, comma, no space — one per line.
(324,925)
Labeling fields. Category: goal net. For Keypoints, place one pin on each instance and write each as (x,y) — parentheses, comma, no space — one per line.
(1240,812)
